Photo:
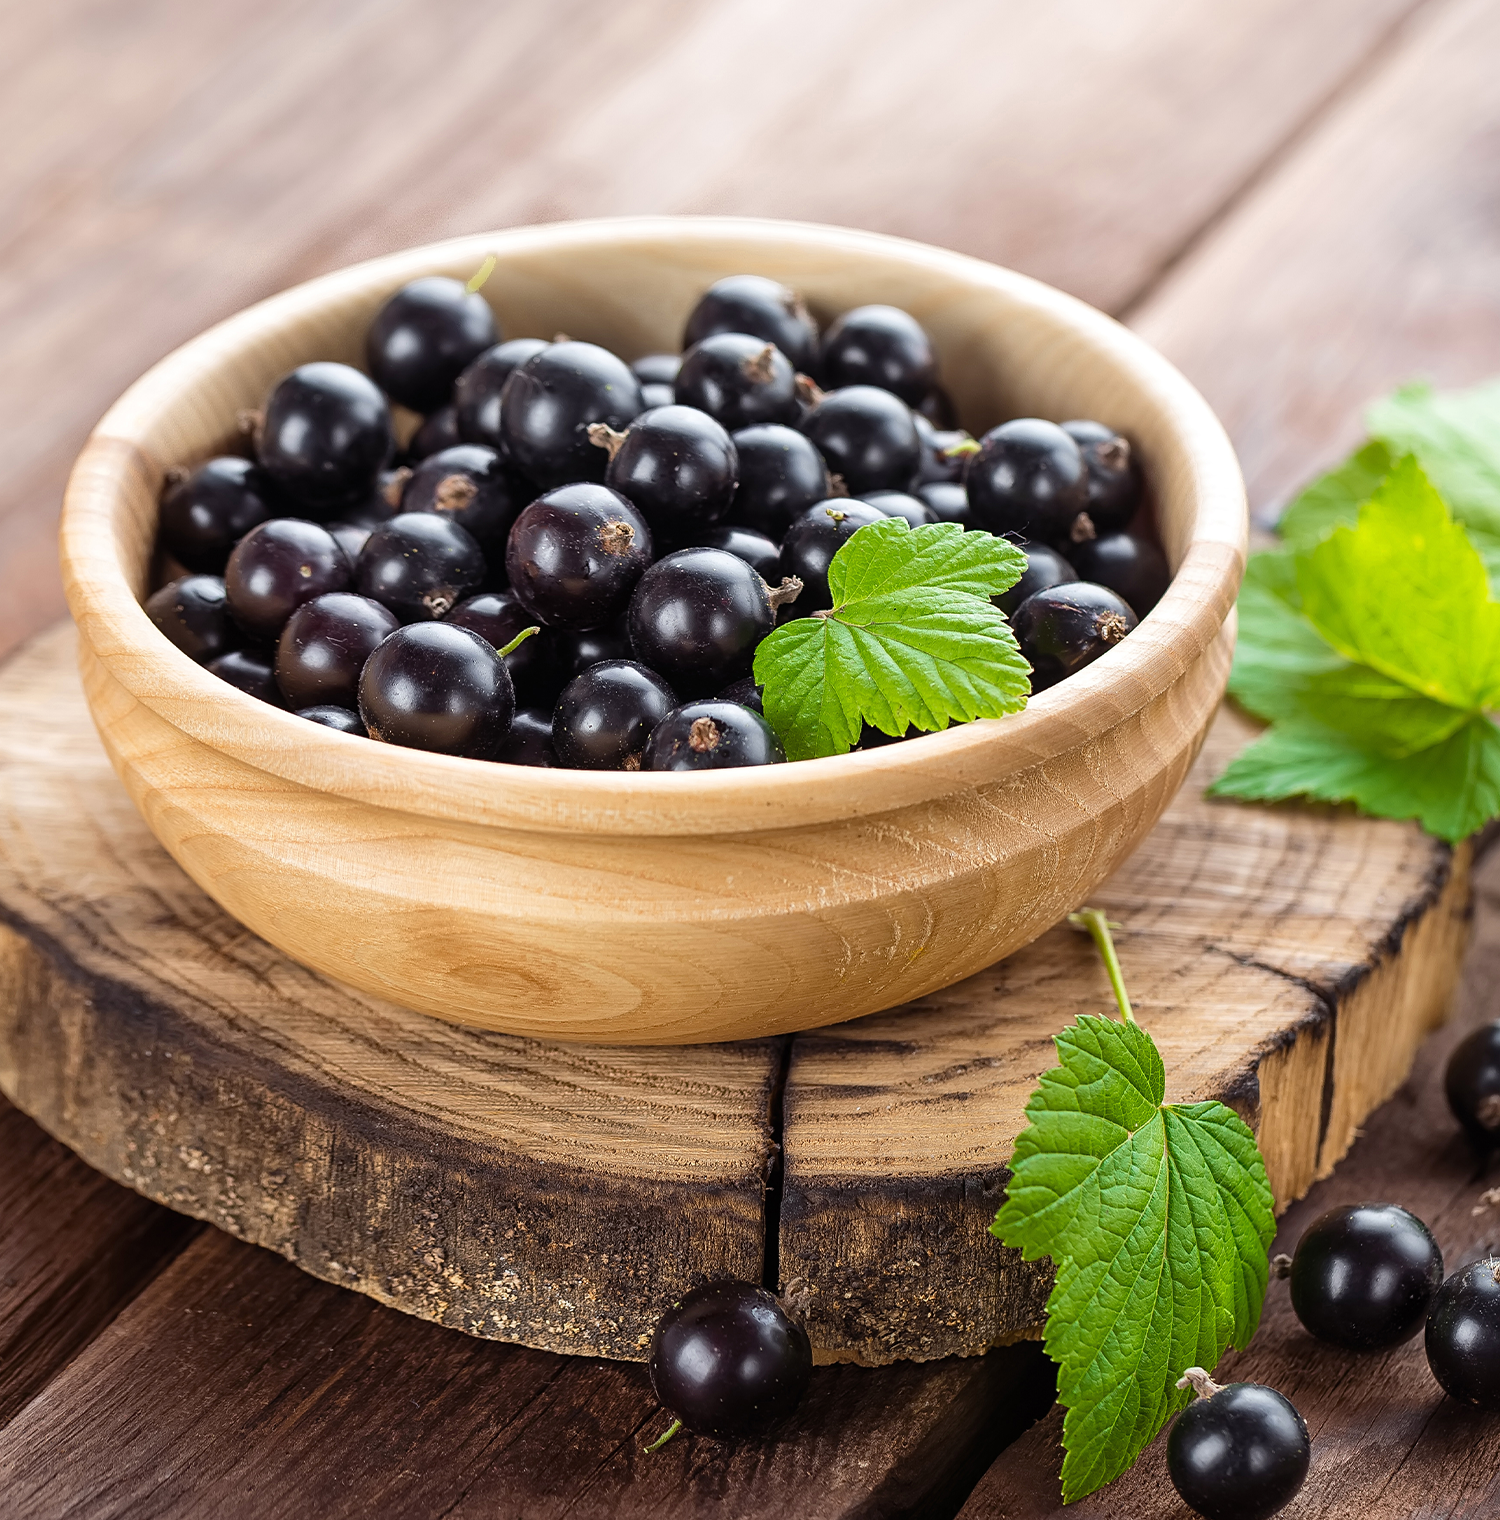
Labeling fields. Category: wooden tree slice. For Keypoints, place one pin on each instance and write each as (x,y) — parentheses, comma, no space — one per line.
(1287,960)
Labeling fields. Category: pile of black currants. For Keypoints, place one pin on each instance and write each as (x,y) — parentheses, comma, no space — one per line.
(651,521)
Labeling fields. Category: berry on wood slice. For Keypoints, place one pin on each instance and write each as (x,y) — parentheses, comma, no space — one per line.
(345,720)
(193,613)
(867,437)
(763,308)
(1114,481)
(420,565)
(1062,629)
(879,345)
(1132,567)
(324,647)
(205,514)
(708,736)
(476,396)
(1028,480)
(249,671)
(739,380)
(424,337)
(1463,1335)
(676,464)
(325,434)
(781,474)
(278,566)
(497,617)
(605,716)
(1045,568)
(812,541)
(1471,1081)
(469,485)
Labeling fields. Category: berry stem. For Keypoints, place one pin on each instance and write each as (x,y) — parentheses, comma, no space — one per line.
(1200,1382)
(664,1437)
(520,639)
(480,275)
(1097,926)
(786,593)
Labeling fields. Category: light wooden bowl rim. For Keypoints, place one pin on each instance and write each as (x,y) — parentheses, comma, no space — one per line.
(1168,642)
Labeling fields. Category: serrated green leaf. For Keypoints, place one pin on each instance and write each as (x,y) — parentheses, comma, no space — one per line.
(1335,497)
(1157,1217)
(1456,436)
(883,558)
(1277,649)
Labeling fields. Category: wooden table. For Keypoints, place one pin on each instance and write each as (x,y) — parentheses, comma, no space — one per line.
(1294,198)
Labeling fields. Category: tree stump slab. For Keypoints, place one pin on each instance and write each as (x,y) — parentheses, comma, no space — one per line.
(1287,960)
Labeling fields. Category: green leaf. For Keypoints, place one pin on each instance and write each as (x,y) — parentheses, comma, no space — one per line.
(1157,1216)
(1278,649)
(1336,497)
(912,640)
(1456,436)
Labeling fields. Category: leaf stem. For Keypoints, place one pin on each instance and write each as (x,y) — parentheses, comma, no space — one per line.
(1097,926)
(664,1437)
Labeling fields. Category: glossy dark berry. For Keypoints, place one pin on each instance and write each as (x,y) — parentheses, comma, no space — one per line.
(250,671)
(938,408)
(750,303)
(727,1360)
(549,404)
(530,739)
(577,649)
(653,395)
(948,501)
(678,466)
(936,461)
(1028,480)
(899,504)
(497,617)
(424,337)
(709,736)
(575,555)
(1114,485)
(814,538)
(380,503)
(696,617)
(1364,1275)
(469,485)
(746,693)
(605,715)
(439,431)
(1472,1083)
(1132,567)
(194,614)
(754,548)
(656,369)
(344,719)
(879,345)
(325,435)
(1062,629)
(867,437)
(324,647)
(476,396)
(1240,1454)
(1045,568)
(351,538)
(739,380)
(276,567)
(1463,1335)
(421,565)
(781,474)
(436,687)
(204,516)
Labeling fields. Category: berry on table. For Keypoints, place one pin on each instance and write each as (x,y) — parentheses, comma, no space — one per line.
(468,485)
(1114,482)
(739,380)
(1062,629)
(439,430)
(1132,567)
(324,646)
(814,537)
(900,504)
(325,434)
(1045,568)
(205,514)
(704,736)
(530,739)
(420,565)
(249,671)
(1463,1335)
(344,719)
(879,345)
(194,614)
(781,474)
(476,394)
(763,308)
(867,436)
(276,567)
(677,465)
(1028,479)
(754,548)
(497,617)
(424,337)
(1471,1081)
(605,716)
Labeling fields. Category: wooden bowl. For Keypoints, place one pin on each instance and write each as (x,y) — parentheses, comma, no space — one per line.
(661,909)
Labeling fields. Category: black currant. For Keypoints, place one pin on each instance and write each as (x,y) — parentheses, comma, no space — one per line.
(439,431)
(948,500)
(276,567)
(497,617)
(814,537)
(424,337)
(250,671)
(1363,1276)
(899,504)
(656,369)
(1028,479)
(194,614)
(351,538)
(938,408)
(750,303)
(1064,628)
(1133,568)
(468,485)
(879,345)
(739,380)
(677,465)
(746,693)
(421,565)
(575,555)
(344,719)
(476,395)
(206,514)
(1114,488)
(325,434)
(781,474)
(938,461)
(867,437)
(530,739)
(1463,1335)
(1045,568)
(324,647)
(436,687)
(706,736)
(727,1360)
(379,504)
(745,543)
(578,649)
(605,715)
(549,404)
(1472,1083)
(1240,1452)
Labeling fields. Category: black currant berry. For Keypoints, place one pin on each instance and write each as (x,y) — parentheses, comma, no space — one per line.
(476,395)
(739,380)
(549,404)
(605,715)
(1133,568)
(578,649)
(879,345)
(677,465)
(1463,1335)
(276,567)
(421,565)
(814,538)
(697,615)
(727,1360)
(867,437)
(194,614)
(899,504)
(1114,489)
(439,431)
(1028,480)
(324,647)
(344,719)
(204,516)
(656,369)
(1240,1452)
(707,736)
(653,395)
(468,485)
(1472,1083)
(250,671)
(497,617)
(1062,629)
(754,548)
(938,408)
(1364,1275)
(948,500)
(1045,568)
(436,687)
(781,474)
(750,303)
(575,555)
(938,460)
(746,693)
(424,337)
(325,434)
(351,538)
(530,739)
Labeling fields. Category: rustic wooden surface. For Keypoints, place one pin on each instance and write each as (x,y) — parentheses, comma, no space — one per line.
(1294,199)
